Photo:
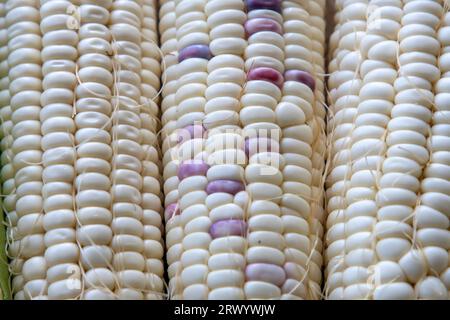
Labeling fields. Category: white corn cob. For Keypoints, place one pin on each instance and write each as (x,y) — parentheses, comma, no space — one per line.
(211,256)
(375,243)
(79,122)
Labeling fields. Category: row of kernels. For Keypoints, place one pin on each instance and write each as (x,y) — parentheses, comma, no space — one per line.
(343,102)
(94,153)
(312,80)
(193,53)
(193,188)
(434,212)
(25,90)
(296,147)
(169,61)
(344,84)
(59,60)
(265,258)
(225,187)
(367,152)
(430,215)
(4,132)
(128,153)
(408,131)
(316,10)
(152,214)
(151,60)
(7,173)
(168,43)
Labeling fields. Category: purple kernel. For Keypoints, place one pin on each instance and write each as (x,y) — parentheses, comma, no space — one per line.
(171,210)
(191,168)
(195,51)
(253,26)
(191,132)
(225,186)
(300,76)
(265,272)
(266,74)
(226,228)
(274,5)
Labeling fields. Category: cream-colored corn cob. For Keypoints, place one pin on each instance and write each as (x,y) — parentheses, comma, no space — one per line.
(380,242)
(83,182)
(247,227)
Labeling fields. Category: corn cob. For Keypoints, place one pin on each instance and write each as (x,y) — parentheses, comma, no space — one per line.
(131,263)
(377,247)
(83,182)
(241,231)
